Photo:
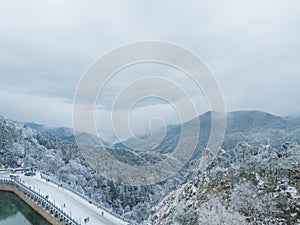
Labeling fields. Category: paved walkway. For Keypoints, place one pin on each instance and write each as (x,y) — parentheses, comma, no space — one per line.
(71,203)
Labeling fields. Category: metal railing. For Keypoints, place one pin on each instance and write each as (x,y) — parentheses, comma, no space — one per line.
(42,202)
(49,179)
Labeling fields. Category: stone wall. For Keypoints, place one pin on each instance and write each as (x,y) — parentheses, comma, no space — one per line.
(47,216)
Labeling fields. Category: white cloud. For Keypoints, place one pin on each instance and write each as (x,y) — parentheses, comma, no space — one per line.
(21,107)
(45,47)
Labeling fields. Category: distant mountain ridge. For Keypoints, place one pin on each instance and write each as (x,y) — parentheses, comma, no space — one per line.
(63,133)
(254,127)
(23,146)
(241,126)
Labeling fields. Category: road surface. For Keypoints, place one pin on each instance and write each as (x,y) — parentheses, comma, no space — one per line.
(71,203)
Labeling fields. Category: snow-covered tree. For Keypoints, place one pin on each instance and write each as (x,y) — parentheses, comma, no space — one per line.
(214,212)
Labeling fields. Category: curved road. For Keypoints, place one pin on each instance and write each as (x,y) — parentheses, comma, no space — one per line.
(71,203)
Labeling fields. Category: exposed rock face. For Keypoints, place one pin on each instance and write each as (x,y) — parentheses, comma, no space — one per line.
(261,189)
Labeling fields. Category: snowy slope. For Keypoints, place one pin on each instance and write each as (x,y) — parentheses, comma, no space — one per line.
(261,187)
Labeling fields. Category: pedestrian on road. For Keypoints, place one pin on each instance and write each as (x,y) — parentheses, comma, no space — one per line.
(86,219)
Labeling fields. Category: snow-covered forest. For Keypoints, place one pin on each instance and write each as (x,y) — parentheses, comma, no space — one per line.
(249,183)
(261,186)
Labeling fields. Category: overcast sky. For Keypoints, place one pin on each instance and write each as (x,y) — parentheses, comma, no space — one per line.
(253,47)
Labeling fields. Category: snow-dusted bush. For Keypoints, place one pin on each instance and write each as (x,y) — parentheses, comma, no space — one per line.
(214,212)
(190,217)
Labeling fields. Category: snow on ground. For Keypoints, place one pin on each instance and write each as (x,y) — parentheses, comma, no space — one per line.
(78,207)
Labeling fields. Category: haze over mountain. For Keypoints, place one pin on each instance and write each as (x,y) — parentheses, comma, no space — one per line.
(64,133)
(21,146)
(254,127)
(61,132)
(253,48)
(52,65)
(63,162)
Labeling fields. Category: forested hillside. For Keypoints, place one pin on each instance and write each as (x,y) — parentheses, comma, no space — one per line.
(261,186)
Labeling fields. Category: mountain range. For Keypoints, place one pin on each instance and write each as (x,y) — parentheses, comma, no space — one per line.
(254,127)
(54,151)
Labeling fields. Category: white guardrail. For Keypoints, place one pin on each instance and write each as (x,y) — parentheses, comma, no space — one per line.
(60,184)
(41,202)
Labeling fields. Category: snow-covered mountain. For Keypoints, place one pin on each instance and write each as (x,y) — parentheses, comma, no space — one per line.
(262,186)
(21,145)
(254,127)
(57,131)
(64,133)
